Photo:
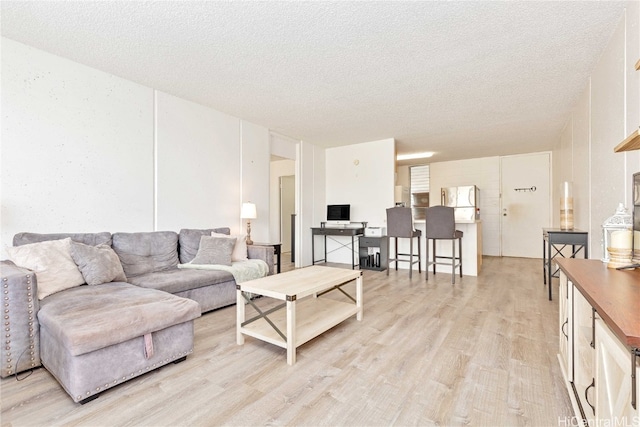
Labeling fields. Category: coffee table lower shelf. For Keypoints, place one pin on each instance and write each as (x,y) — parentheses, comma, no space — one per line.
(304,311)
(313,317)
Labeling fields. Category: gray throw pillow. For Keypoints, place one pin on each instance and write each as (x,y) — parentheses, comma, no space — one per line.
(214,250)
(98,264)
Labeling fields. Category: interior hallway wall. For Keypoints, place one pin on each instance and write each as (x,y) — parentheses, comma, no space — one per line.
(311,169)
(607,111)
(279,168)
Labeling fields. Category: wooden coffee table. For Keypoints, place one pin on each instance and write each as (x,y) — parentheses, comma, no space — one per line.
(305,314)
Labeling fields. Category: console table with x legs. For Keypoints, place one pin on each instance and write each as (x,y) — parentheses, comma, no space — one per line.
(351,231)
(557,239)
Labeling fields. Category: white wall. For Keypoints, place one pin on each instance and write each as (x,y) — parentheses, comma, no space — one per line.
(283,146)
(77,147)
(484,173)
(255,176)
(311,203)
(607,111)
(632,92)
(362,175)
(403,176)
(196,148)
(607,130)
(580,164)
(85,151)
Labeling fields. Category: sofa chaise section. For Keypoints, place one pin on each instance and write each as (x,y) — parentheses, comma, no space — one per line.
(95,337)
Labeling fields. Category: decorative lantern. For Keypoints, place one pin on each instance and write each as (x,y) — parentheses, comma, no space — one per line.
(617,238)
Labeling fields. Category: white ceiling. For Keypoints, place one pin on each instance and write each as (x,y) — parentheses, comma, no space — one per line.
(463,79)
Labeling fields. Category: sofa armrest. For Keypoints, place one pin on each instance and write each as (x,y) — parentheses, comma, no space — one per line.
(264,253)
(21,330)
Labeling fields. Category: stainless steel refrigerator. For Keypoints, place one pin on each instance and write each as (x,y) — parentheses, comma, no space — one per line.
(464,199)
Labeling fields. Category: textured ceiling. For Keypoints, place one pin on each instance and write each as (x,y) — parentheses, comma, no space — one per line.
(463,79)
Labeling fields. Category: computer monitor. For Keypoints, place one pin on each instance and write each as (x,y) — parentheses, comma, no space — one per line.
(339,214)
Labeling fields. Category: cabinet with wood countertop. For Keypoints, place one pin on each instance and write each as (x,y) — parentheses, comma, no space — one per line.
(599,354)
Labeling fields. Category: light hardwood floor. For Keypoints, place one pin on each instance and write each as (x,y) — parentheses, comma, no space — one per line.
(480,352)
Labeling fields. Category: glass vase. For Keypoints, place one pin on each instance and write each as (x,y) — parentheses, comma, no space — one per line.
(566,206)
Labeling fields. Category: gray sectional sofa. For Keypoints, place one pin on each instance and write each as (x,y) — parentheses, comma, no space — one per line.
(92,338)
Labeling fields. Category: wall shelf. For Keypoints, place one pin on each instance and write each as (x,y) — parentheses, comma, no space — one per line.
(632,142)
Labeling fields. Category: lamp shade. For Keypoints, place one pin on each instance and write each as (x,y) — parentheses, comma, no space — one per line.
(248,211)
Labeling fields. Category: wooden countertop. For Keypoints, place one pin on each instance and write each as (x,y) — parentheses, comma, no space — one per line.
(615,294)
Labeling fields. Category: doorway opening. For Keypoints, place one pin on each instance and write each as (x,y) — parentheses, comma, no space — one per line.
(283,208)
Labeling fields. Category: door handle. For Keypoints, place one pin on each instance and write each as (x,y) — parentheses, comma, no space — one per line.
(504,212)
(586,395)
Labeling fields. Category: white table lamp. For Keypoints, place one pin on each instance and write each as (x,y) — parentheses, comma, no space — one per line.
(248,212)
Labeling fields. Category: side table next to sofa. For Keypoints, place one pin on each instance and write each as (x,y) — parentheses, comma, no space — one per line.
(277,248)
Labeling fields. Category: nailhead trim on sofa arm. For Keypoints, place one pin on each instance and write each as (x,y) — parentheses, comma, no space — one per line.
(21,345)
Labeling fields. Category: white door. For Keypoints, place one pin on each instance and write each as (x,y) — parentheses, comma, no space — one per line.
(287,208)
(525,203)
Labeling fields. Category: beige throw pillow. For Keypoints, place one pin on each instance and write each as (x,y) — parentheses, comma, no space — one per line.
(239,249)
(98,264)
(52,263)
